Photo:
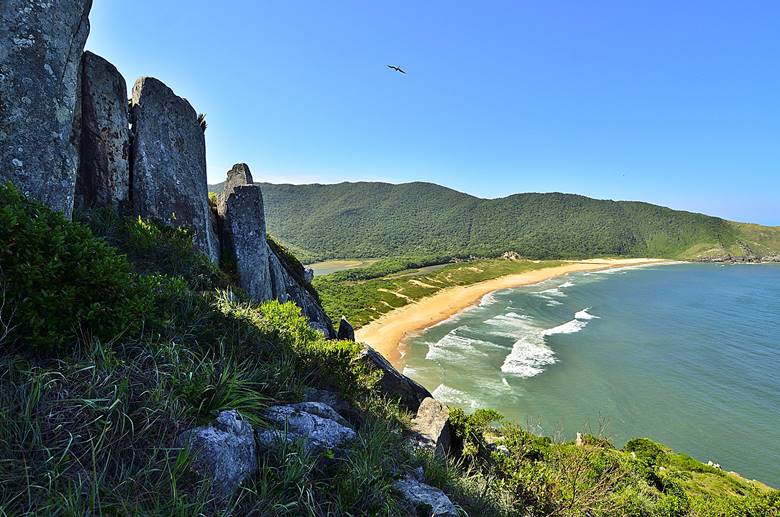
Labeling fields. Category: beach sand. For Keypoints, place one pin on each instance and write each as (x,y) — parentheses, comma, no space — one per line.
(386,333)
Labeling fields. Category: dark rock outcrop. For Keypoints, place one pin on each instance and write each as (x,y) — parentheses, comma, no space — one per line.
(40,67)
(169,162)
(432,427)
(424,499)
(224,452)
(319,426)
(392,382)
(346,331)
(104,168)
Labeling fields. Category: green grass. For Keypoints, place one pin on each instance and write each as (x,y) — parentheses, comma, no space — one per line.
(363,295)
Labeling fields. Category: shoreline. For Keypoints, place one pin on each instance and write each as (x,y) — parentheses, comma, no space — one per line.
(387,333)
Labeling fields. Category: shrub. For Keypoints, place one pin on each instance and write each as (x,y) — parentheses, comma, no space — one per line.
(153,247)
(61,282)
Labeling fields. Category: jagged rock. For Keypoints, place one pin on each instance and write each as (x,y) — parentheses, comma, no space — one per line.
(287,288)
(432,426)
(319,426)
(425,499)
(223,452)
(104,167)
(169,162)
(261,272)
(240,205)
(346,331)
(244,225)
(392,383)
(308,275)
(238,175)
(40,68)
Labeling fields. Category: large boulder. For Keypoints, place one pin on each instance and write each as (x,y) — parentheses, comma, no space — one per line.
(104,168)
(393,383)
(240,205)
(424,499)
(432,427)
(169,162)
(346,330)
(317,424)
(40,67)
(244,239)
(223,452)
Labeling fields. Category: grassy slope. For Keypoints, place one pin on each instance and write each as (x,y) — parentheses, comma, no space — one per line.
(378,219)
(364,295)
(91,430)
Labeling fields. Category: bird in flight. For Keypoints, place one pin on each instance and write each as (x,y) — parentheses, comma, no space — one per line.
(397,69)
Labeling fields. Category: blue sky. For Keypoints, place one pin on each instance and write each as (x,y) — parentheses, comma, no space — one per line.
(676,103)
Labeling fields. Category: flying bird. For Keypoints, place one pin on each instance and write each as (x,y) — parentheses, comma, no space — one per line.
(397,69)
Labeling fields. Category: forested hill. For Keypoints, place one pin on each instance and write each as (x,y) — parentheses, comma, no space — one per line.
(379,219)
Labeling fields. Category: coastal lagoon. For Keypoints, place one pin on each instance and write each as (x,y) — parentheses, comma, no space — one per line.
(688,355)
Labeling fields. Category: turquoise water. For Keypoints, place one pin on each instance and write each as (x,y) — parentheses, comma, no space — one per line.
(688,355)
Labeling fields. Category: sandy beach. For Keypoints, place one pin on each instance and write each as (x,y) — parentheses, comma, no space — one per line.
(386,334)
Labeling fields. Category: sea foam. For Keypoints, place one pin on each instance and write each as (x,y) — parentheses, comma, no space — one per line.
(528,357)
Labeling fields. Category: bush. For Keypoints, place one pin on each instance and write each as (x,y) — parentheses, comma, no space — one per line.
(153,247)
(61,282)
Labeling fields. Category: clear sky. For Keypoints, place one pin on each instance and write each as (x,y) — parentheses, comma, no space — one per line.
(671,102)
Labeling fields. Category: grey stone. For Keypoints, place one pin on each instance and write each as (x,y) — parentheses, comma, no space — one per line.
(319,426)
(346,331)
(224,452)
(392,383)
(244,238)
(240,205)
(238,175)
(432,426)
(261,272)
(308,275)
(41,43)
(104,167)
(169,162)
(425,499)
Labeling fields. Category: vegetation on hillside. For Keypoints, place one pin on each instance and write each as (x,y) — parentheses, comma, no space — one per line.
(89,426)
(364,294)
(422,219)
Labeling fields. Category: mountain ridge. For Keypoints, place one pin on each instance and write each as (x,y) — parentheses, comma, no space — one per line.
(378,219)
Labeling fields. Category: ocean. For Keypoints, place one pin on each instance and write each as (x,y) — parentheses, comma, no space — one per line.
(687,355)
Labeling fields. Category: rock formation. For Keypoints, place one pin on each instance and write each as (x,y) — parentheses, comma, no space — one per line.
(261,271)
(432,426)
(104,168)
(392,383)
(319,426)
(169,162)
(223,452)
(40,67)
(425,499)
(240,206)
(346,331)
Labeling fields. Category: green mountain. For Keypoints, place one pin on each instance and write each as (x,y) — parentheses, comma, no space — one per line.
(379,219)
